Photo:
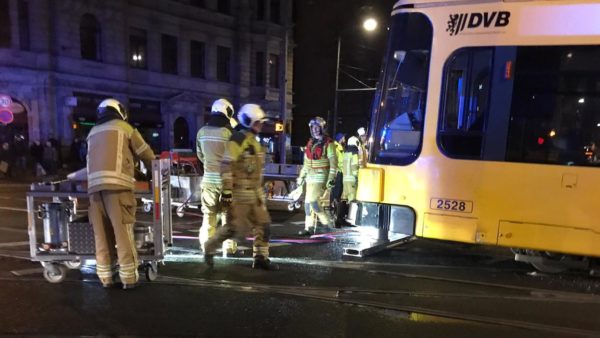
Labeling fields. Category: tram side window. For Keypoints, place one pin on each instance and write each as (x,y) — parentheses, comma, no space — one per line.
(555,112)
(465,103)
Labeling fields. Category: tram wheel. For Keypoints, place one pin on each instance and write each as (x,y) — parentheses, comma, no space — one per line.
(55,274)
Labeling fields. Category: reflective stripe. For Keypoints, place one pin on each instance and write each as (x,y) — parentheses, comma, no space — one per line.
(214,138)
(141,149)
(260,251)
(110,180)
(109,127)
(212,178)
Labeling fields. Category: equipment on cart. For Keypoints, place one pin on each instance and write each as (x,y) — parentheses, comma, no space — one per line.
(69,237)
(55,217)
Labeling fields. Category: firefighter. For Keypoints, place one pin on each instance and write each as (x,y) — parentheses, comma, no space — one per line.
(242,174)
(350,172)
(362,149)
(318,172)
(336,192)
(210,147)
(113,144)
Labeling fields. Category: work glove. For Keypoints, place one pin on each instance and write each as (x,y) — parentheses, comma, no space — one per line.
(330,184)
(226,197)
(300,181)
(296,193)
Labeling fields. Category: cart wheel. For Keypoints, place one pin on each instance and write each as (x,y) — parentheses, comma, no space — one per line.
(147,207)
(73,265)
(55,274)
(298,205)
(151,272)
(291,207)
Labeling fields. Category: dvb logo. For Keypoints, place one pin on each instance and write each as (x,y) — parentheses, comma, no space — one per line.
(460,22)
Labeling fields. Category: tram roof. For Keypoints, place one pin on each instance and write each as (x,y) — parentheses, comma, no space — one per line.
(436,3)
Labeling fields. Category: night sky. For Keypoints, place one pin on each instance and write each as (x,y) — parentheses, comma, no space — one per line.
(318,24)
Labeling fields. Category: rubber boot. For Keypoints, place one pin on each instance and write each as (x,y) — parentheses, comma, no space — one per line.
(209,260)
(260,262)
(309,226)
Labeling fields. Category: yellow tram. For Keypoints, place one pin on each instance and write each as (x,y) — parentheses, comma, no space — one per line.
(482,127)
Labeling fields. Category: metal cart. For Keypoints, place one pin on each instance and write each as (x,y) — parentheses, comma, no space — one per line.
(68,237)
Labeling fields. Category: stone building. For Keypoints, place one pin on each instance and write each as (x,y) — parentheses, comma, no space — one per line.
(166,59)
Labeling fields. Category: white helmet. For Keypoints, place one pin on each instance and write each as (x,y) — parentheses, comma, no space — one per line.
(222,106)
(251,113)
(361,131)
(112,107)
(353,141)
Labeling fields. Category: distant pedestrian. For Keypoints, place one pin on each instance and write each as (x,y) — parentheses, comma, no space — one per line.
(20,149)
(36,151)
(50,158)
(7,159)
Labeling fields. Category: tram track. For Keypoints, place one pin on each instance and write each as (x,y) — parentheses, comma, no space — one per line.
(345,296)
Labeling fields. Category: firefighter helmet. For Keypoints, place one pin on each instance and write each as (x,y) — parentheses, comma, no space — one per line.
(361,131)
(222,106)
(251,113)
(112,107)
(353,141)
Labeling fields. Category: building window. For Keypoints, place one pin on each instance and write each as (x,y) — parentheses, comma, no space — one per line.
(224,6)
(223,64)
(197,59)
(274,71)
(198,3)
(5,26)
(259,68)
(260,10)
(24,25)
(169,54)
(89,35)
(275,11)
(137,48)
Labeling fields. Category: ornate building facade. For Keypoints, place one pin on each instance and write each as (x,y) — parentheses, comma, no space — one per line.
(167,60)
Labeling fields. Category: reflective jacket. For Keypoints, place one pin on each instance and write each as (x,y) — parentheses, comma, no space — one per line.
(242,167)
(350,164)
(339,152)
(211,141)
(320,162)
(112,147)
(363,155)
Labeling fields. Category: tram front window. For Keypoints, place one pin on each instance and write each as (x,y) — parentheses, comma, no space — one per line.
(398,120)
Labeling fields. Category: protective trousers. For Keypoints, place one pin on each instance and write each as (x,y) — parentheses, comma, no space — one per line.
(349,193)
(244,219)
(211,208)
(313,208)
(112,214)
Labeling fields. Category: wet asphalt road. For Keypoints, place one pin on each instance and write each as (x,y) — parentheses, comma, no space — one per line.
(421,289)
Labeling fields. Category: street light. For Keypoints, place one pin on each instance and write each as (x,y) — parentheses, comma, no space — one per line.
(369,25)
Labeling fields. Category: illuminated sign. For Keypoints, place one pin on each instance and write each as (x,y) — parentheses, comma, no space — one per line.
(6,116)
(5,101)
(278,126)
